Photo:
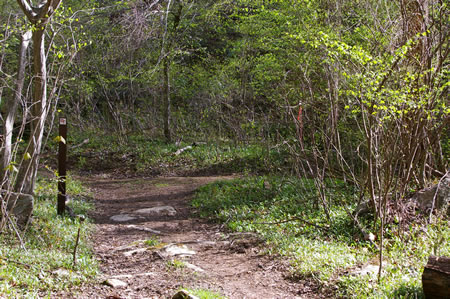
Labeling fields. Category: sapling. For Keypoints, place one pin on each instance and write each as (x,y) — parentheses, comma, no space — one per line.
(82,218)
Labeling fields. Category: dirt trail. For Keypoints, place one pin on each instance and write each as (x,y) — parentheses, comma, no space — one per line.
(227,263)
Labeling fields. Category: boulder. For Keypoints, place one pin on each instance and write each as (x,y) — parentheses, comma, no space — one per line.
(439,194)
(21,205)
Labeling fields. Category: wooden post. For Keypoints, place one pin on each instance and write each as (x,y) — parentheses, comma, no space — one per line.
(436,277)
(62,166)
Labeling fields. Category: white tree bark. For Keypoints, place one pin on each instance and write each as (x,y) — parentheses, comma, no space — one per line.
(39,16)
(12,105)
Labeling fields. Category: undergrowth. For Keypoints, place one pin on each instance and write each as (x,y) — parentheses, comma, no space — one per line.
(287,215)
(43,263)
(145,155)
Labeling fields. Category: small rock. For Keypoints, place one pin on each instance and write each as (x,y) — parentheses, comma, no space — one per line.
(123,276)
(122,218)
(131,252)
(194,267)
(61,272)
(115,283)
(184,295)
(129,276)
(145,229)
(173,250)
(124,247)
(145,274)
(368,270)
(161,210)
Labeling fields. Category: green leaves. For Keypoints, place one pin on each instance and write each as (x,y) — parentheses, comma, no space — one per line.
(60,139)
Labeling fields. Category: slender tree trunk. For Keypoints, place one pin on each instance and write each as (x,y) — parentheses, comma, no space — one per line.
(167,60)
(12,105)
(27,173)
(166,100)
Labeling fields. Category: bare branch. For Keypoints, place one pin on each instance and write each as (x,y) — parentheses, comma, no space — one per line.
(26,7)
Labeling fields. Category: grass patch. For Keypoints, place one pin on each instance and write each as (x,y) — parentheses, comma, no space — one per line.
(152,242)
(175,264)
(46,263)
(288,215)
(205,294)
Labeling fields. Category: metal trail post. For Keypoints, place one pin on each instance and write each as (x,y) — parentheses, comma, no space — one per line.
(62,166)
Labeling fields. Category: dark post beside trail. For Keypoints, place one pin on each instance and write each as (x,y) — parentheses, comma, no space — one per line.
(62,166)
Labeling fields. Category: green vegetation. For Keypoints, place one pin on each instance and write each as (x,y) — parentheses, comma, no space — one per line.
(205,294)
(43,261)
(153,242)
(143,155)
(175,264)
(284,213)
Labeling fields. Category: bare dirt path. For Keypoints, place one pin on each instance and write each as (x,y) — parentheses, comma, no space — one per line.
(230,264)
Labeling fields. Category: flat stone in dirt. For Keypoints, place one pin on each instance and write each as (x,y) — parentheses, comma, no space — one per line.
(146,229)
(194,267)
(115,283)
(163,210)
(122,218)
(176,250)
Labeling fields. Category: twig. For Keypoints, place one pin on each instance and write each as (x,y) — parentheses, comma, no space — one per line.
(16,262)
(81,144)
(22,244)
(76,242)
(435,195)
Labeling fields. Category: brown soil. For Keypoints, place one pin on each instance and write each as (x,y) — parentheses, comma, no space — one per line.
(233,264)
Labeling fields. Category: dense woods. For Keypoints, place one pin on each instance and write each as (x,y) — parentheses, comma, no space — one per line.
(349,94)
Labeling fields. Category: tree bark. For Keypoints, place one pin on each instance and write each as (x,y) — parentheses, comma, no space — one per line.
(167,60)
(39,16)
(27,173)
(166,100)
(12,105)
(436,277)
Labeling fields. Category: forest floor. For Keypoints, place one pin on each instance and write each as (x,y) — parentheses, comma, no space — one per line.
(139,249)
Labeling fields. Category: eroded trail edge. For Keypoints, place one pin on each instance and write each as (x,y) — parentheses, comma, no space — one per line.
(150,243)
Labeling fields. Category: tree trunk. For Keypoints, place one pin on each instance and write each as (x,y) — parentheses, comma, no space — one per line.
(436,277)
(166,100)
(27,172)
(12,105)
(167,60)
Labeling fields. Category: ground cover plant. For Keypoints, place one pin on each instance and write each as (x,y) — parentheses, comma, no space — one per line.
(41,262)
(205,294)
(282,211)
